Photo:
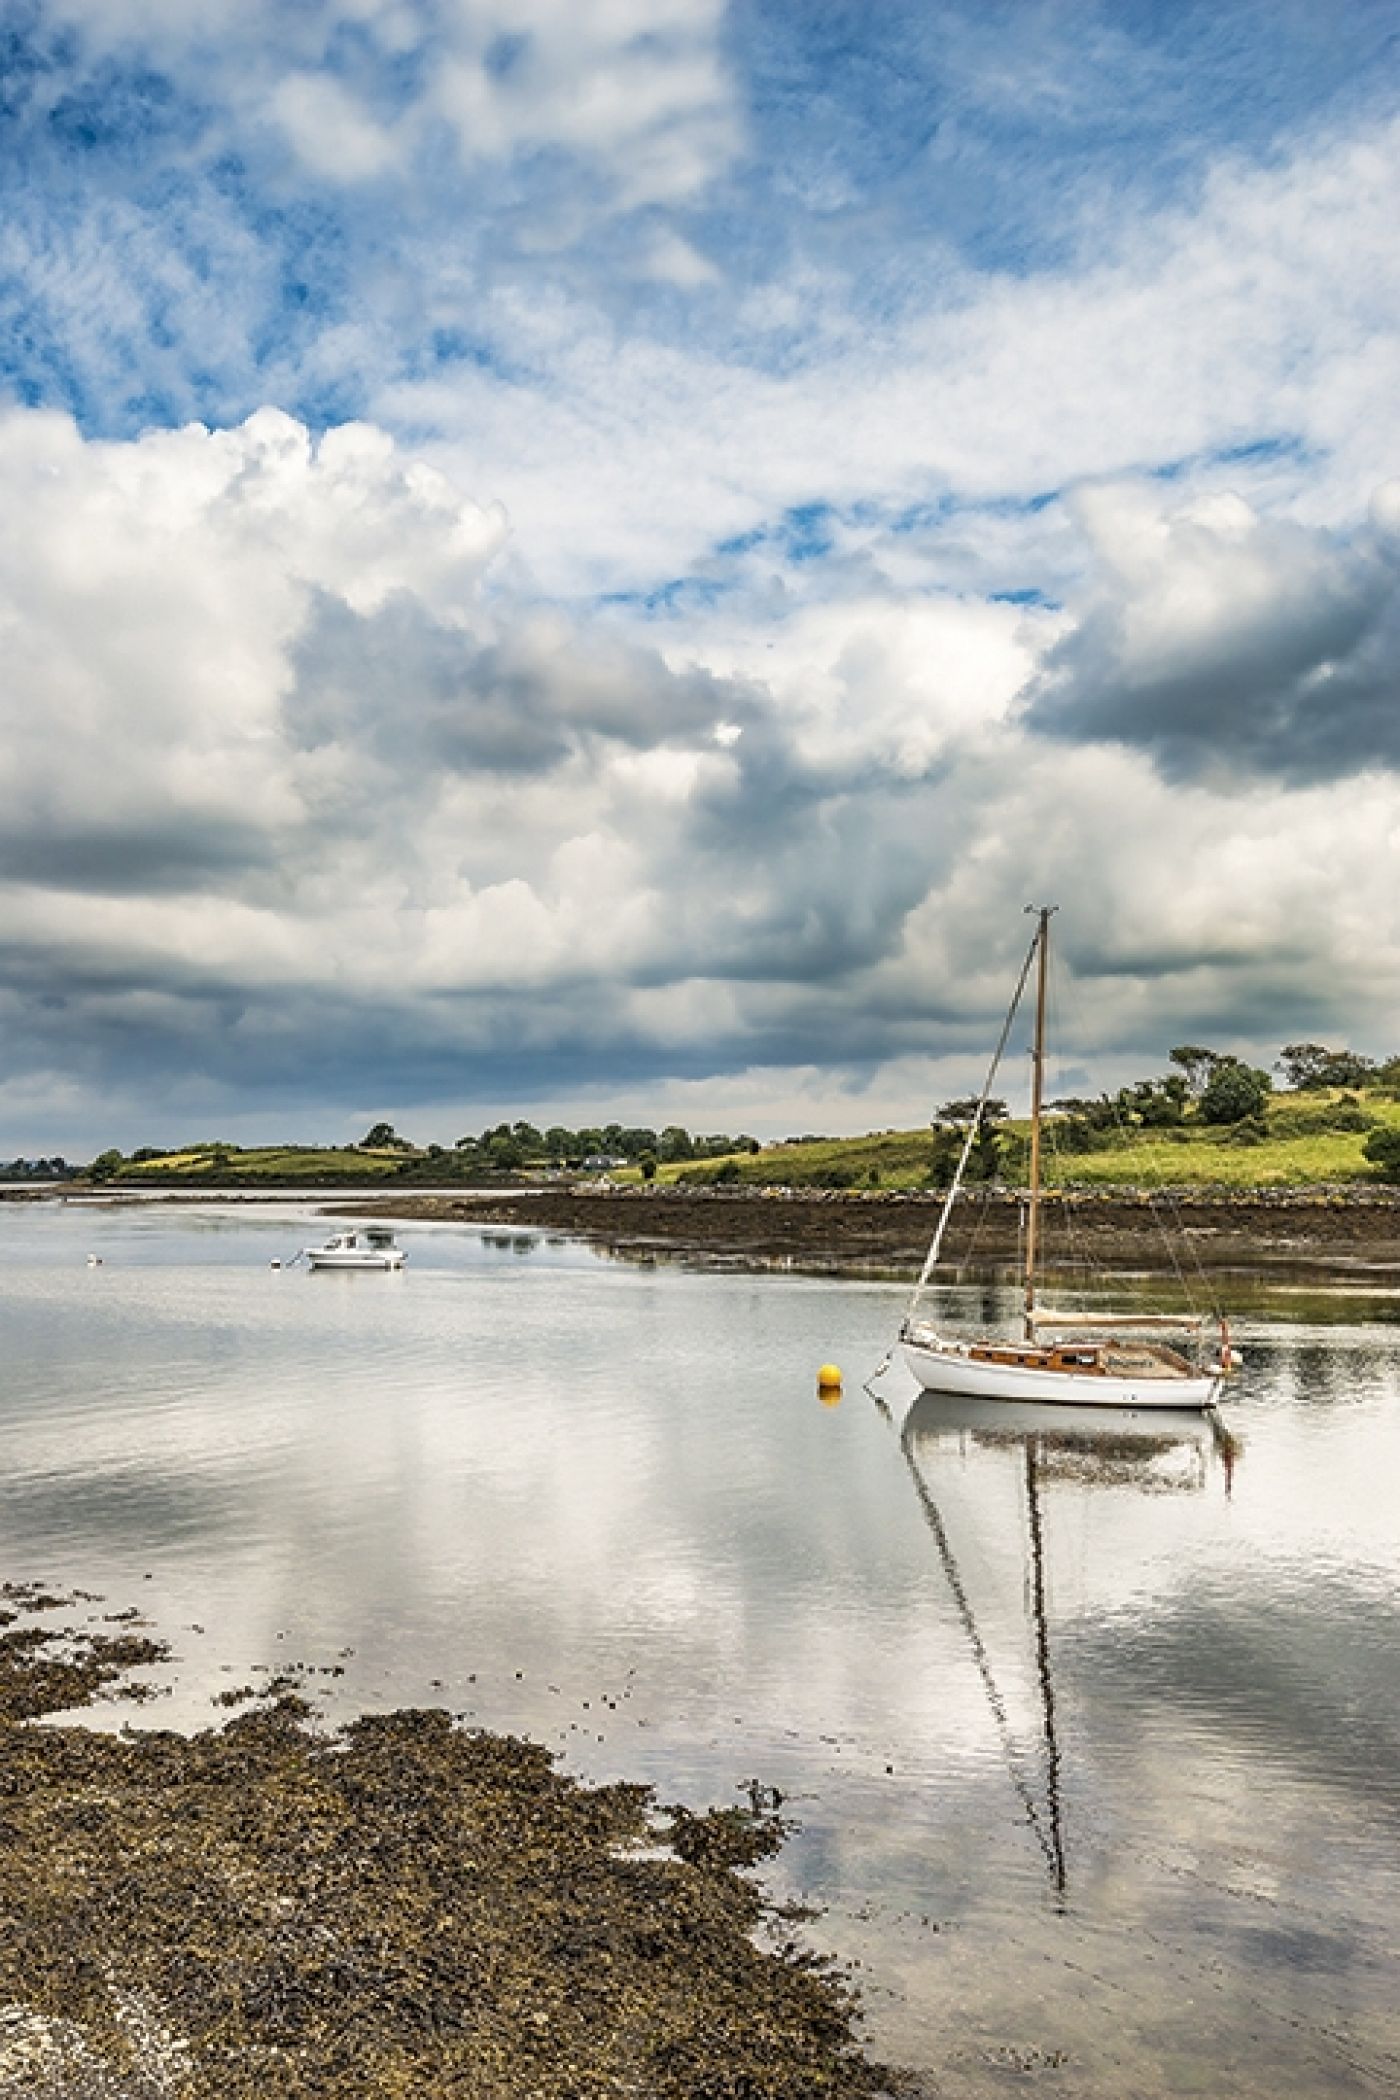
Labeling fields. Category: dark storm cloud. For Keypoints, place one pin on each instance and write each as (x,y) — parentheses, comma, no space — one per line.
(414,689)
(841,857)
(1230,643)
(134,858)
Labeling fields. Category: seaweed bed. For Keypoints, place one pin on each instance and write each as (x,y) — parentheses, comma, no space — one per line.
(1338,1235)
(401,1907)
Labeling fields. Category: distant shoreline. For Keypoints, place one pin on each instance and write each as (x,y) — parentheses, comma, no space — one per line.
(1333,1233)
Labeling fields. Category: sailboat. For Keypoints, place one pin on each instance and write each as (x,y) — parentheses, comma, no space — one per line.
(1074,1358)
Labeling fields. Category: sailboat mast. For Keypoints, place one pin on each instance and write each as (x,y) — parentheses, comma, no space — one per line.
(1042,945)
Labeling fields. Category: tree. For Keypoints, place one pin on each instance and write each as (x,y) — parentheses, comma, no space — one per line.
(1307,1067)
(961,1112)
(1382,1148)
(647,1163)
(1155,1103)
(1196,1066)
(379,1136)
(1300,1065)
(1350,1068)
(676,1143)
(1234,1091)
(986,1159)
(106,1165)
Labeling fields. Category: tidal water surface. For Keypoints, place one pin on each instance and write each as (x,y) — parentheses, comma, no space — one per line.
(1090,1731)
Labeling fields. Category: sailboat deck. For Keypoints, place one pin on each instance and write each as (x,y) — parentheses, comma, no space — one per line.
(1150,1360)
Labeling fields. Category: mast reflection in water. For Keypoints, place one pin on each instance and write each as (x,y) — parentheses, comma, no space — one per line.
(1035,1447)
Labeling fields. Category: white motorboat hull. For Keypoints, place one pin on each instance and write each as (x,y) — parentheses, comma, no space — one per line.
(950,1369)
(316,1259)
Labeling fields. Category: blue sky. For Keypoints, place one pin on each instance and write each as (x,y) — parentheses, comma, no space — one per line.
(603,552)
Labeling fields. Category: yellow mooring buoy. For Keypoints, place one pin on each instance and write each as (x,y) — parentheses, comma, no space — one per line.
(829,1382)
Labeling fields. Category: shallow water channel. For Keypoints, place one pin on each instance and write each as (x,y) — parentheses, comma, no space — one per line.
(1091,1733)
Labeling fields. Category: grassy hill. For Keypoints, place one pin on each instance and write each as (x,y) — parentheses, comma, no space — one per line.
(277,1165)
(1304,1140)
(1301,1147)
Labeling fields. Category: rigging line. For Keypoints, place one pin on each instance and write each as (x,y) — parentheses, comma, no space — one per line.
(972,1129)
(1161,1198)
(974,1238)
(1050,1847)
(1077,1259)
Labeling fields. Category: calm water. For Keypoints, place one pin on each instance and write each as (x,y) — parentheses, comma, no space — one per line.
(1093,1737)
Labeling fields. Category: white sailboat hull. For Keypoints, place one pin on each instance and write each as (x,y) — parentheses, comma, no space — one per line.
(950,1369)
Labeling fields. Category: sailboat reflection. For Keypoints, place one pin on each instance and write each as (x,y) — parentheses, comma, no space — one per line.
(1094,1449)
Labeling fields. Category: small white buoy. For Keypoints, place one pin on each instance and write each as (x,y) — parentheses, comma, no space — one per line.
(94,1261)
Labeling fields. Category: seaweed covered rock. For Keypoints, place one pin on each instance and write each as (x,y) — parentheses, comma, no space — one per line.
(402,1907)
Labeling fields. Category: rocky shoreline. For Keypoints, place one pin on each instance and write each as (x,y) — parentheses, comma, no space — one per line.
(404,1905)
(1317,1234)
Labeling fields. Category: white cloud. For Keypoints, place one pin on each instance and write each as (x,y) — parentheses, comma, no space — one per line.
(672,260)
(277,767)
(1265,312)
(638,92)
(332,133)
(638,89)
(1217,638)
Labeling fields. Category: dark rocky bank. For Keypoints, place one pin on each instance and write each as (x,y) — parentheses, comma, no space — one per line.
(403,1907)
(1316,1234)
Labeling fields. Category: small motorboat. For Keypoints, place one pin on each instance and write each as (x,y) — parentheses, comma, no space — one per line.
(369,1247)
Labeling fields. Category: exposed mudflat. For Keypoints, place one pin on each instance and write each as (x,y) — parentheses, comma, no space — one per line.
(1315,1234)
(402,1907)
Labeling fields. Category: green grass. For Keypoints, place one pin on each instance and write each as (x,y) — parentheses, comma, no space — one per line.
(1299,1152)
(1208,1158)
(1299,1156)
(266,1163)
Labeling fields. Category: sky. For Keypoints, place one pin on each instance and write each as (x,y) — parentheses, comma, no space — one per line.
(586,559)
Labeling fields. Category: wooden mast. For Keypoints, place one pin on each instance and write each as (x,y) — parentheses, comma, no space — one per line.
(1042,943)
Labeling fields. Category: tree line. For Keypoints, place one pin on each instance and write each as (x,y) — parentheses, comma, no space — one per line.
(1203,1087)
(506,1148)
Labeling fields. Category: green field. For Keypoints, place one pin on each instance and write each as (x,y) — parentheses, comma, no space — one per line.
(1298,1147)
(1291,1155)
(271,1163)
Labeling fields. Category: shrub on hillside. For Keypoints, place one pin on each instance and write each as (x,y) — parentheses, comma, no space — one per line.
(1319,1118)
(1234,1091)
(1382,1148)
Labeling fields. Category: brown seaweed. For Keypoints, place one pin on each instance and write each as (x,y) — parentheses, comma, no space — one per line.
(403,1906)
